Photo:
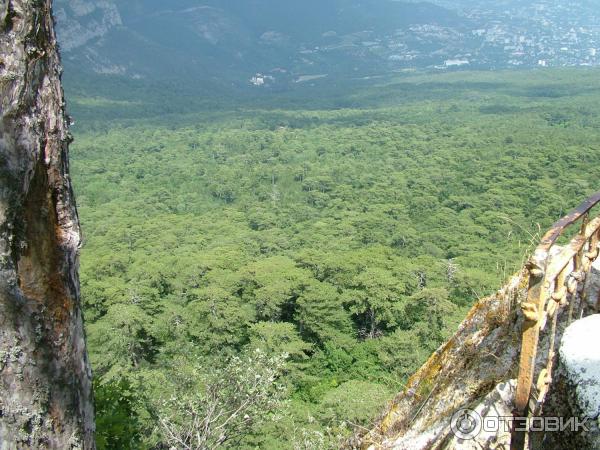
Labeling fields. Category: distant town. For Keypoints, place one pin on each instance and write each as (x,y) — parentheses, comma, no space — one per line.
(542,34)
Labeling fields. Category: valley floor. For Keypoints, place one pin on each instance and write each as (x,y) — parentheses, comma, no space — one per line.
(349,228)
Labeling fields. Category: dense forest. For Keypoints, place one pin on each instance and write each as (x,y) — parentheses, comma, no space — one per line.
(306,250)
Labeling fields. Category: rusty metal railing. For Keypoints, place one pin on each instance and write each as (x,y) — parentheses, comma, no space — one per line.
(556,281)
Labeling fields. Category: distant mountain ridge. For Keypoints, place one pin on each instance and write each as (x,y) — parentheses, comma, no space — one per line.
(235,39)
(276,43)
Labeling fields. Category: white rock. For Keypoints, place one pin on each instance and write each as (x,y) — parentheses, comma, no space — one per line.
(491,416)
(580,358)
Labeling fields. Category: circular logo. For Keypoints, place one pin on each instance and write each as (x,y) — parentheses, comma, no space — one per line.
(465,424)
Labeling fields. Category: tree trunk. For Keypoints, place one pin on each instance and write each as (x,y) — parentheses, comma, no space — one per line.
(45,377)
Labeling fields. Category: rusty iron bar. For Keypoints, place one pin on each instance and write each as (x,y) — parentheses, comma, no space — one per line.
(560,226)
(551,282)
(561,260)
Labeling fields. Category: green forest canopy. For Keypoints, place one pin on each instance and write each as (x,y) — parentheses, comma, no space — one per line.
(349,231)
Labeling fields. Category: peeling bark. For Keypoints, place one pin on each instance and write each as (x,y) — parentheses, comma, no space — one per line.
(45,377)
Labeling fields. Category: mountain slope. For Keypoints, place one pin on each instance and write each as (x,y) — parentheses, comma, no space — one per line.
(232,40)
(269,43)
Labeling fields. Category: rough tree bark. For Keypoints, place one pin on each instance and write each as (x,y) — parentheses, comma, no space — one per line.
(45,378)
